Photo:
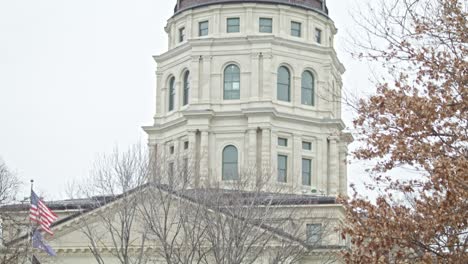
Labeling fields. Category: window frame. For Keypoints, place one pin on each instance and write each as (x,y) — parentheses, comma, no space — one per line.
(182,34)
(186,88)
(296,32)
(232,26)
(284,170)
(203,31)
(283,85)
(170,172)
(305,89)
(172,93)
(307,143)
(314,231)
(282,139)
(260,26)
(231,94)
(318,35)
(224,175)
(307,182)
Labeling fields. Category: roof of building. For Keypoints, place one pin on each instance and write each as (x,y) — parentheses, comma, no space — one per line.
(212,197)
(317,5)
(218,199)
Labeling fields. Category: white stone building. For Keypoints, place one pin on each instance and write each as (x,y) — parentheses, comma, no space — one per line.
(253,84)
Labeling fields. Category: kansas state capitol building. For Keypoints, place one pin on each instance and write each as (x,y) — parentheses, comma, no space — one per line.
(252,85)
(249,89)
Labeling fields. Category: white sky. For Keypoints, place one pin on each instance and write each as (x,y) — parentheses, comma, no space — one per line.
(77,78)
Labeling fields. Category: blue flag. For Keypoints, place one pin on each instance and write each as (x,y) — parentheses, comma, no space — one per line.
(39,243)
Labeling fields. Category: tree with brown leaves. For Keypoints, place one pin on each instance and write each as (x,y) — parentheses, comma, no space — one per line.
(417,120)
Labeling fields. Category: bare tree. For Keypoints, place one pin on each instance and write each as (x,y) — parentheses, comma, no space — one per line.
(155,210)
(12,226)
(114,227)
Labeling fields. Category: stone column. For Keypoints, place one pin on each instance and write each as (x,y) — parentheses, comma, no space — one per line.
(333,170)
(266,152)
(319,181)
(159,93)
(192,173)
(204,147)
(252,156)
(343,170)
(194,79)
(296,175)
(254,76)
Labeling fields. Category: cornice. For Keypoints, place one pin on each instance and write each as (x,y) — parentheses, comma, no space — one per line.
(251,39)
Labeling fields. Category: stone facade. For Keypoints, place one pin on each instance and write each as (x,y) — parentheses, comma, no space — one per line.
(255,120)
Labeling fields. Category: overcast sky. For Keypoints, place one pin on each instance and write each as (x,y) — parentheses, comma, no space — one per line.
(77,79)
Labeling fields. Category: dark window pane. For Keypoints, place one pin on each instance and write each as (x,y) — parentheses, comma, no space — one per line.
(307,88)
(296,29)
(283,85)
(282,168)
(171,93)
(203,28)
(283,142)
(233,25)
(318,35)
(314,234)
(266,25)
(306,172)
(186,88)
(181,34)
(231,82)
(306,145)
(185,171)
(170,173)
(230,163)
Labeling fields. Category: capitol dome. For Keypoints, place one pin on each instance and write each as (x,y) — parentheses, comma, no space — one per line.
(250,89)
(318,5)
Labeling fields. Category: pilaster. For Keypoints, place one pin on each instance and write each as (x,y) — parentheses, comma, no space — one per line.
(333,171)
(204,157)
(266,152)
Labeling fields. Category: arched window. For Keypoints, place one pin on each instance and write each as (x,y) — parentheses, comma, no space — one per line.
(230,163)
(284,84)
(231,82)
(171,93)
(307,87)
(186,87)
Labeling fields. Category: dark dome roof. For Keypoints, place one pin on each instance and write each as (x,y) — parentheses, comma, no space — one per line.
(318,5)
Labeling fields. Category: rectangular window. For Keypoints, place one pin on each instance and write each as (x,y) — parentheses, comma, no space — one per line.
(306,145)
(233,25)
(282,168)
(181,34)
(186,145)
(306,172)
(318,36)
(295,29)
(170,172)
(185,170)
(283,142)
(171,149)
(266,25)
(203,28)
(314,234)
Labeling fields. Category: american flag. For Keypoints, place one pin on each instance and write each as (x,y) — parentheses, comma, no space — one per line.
(41,214)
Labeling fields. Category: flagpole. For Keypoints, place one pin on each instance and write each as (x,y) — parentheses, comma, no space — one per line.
(30,223)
